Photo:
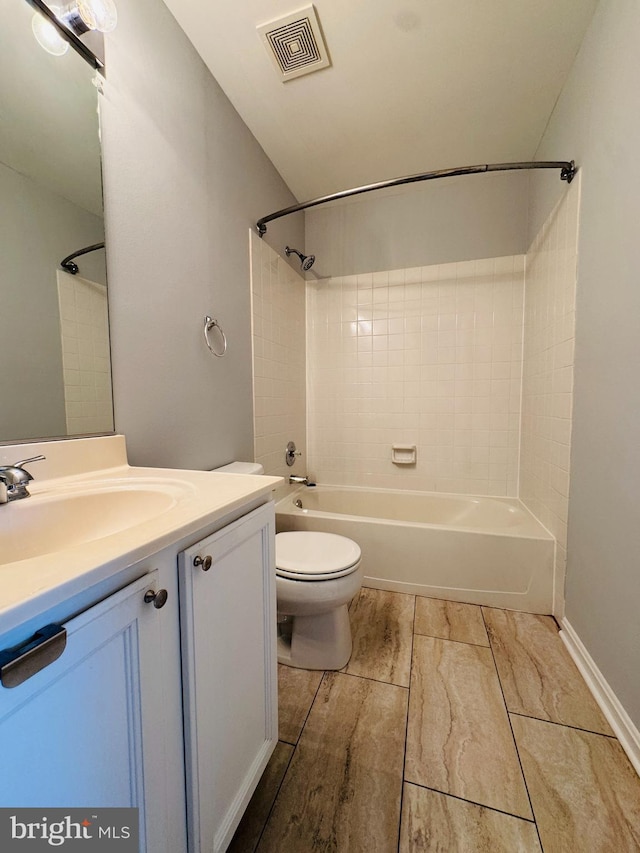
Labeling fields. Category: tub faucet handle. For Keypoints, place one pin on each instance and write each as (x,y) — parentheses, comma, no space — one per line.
(290,453)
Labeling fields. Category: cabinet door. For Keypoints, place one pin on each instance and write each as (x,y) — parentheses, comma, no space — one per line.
(228,623)
(82,731)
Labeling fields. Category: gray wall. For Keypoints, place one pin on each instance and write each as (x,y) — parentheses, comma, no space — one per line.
(184,182)
(453,219)
(597,122)
(38,228)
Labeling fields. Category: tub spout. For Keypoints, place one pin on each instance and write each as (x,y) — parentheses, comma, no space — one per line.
(300,481)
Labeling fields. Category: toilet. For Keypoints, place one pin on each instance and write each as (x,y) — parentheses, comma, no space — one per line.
(317,575)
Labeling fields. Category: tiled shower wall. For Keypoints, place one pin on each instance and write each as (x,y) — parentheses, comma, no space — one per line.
(84,332)
(430,356)
(547,400)
(279,373)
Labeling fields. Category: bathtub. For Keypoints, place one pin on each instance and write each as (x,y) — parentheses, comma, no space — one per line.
(481,550)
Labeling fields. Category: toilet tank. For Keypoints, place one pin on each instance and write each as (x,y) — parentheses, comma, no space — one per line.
(241,468)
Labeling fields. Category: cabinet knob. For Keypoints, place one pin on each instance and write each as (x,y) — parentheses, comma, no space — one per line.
(159,598)
(206,563)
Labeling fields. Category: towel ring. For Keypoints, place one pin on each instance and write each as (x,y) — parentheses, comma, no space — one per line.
(209,324)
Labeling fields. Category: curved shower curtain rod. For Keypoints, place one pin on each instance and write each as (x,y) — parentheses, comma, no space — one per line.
(67,263)
(567,173)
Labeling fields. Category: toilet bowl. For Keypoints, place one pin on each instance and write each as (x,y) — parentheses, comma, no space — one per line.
(317,575)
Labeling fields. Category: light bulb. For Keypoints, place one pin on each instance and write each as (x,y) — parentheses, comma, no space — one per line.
(100,15)
(47,35)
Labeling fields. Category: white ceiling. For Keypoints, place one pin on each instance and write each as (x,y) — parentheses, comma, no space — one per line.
(414,85)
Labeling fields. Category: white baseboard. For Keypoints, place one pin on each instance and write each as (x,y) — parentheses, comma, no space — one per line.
(610,705)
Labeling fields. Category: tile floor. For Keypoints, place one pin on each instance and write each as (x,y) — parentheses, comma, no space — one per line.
(453,728)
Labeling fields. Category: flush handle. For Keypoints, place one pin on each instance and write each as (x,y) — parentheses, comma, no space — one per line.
(206,563)
(158,598)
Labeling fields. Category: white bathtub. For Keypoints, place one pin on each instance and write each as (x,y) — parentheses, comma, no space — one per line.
(481,550)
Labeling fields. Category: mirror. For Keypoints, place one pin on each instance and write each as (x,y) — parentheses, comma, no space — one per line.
(55,373)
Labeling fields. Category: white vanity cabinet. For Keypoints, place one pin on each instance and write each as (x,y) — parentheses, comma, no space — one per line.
(89,728)
(228,620)
(171,709)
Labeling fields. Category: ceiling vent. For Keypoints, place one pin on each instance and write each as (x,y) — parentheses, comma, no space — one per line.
(295,43)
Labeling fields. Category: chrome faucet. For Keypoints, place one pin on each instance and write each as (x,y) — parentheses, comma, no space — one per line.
(14,479)
(301,481)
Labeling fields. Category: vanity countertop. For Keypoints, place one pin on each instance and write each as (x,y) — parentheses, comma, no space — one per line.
(110,518)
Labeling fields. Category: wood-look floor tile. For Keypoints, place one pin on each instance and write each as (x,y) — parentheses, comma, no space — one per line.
(250,827)
(538,677)
(296,690)
(436,822)
(450,620)
(382,629)
(459,740)
(343,787)
(585,793)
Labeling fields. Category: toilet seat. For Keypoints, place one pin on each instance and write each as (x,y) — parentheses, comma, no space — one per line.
(311,556)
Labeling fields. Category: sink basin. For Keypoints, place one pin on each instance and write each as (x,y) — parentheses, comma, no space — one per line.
(49,522)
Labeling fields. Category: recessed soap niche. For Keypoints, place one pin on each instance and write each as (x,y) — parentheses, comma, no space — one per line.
(403,454)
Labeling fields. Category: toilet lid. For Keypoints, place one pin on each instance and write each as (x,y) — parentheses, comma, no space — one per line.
(315,555)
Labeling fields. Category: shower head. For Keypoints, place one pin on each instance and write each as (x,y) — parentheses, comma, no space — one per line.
(306,261)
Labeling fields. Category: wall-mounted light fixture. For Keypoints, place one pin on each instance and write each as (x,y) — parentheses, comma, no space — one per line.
(57,27)
(47,35)
(84,15)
